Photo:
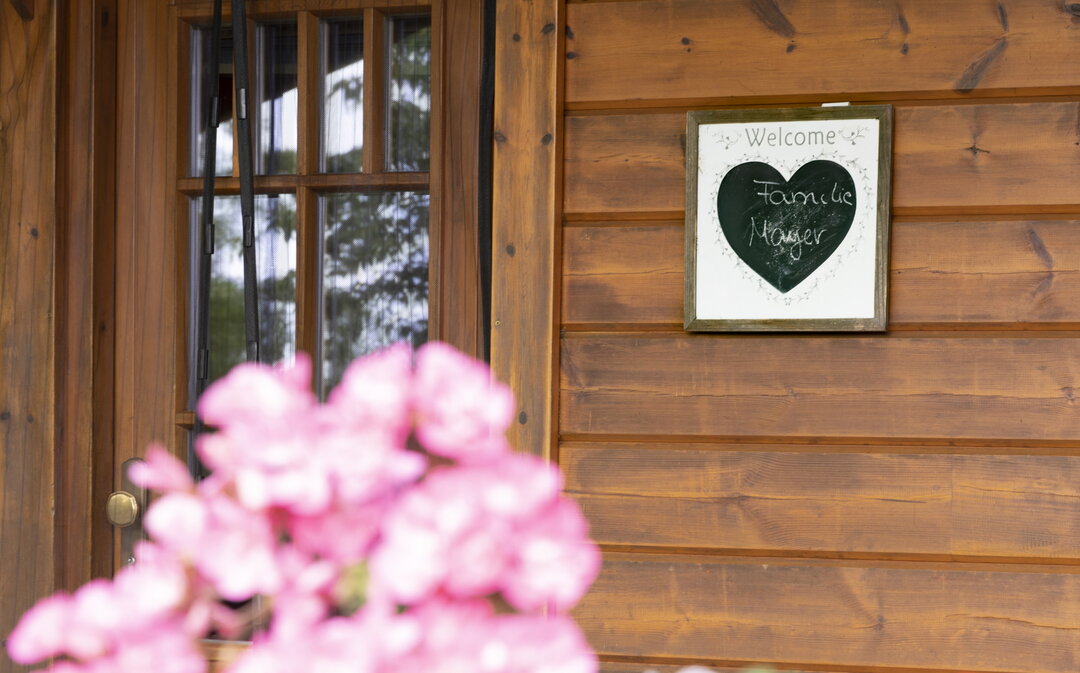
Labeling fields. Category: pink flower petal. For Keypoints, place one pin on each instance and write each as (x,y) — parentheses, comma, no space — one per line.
(461,413)
(39,635)
(161,471)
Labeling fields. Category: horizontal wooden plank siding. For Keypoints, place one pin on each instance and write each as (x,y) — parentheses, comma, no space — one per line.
(957,156)
(827,49)
(818,613)
(998,272)
(847,503)
(882,503)
(643,667)
(820,386)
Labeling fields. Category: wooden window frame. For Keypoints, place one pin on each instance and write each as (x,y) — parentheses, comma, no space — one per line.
(455,301)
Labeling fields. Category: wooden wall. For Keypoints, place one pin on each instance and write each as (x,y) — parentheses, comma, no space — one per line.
(881,502)
(28,241)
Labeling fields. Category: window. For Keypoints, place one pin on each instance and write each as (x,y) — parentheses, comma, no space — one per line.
(343,111)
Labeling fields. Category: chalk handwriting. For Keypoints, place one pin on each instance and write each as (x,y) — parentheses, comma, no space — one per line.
(776,237)
(777,197)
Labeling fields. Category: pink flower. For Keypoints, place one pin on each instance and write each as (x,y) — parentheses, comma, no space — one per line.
(283,451)
(475,530)
(166,649)
(461,413)
(360,644)
(155,589)
(371,560)
(268,421)
(253,395)
(40,634)
(551,644)
(343,534)
(307,595)
(441,535)
(272,464)
(232,547)
(374,393)
(161,471)
(105,624)
(554,561)
(363,465)
(465,637)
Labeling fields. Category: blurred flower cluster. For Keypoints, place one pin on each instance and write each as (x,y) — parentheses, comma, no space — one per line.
(388,530)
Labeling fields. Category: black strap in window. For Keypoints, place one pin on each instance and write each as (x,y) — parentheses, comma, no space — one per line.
(484,215)
(211,84)
(206,222)
(247,192)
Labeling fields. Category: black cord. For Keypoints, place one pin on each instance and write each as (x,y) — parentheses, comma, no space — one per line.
(484,189)
(247,192)
(201,364)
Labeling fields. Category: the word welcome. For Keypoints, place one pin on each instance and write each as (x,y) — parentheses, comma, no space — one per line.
(780,137)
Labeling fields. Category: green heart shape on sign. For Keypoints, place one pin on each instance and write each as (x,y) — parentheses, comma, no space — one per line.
(785,229)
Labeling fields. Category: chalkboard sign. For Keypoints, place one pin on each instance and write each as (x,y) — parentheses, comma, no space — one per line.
(787,219)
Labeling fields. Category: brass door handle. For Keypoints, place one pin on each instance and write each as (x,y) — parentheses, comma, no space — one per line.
(122,508)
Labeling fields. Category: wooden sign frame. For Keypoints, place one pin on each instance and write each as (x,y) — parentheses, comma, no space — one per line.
(809,186)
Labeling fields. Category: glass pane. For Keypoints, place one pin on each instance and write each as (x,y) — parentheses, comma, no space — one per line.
(374,276)
(275,259)
(276,120)
(200,62)
(408,113)
(343,96)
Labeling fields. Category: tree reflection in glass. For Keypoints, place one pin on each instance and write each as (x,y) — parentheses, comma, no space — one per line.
(276,109)
(275,252)
(200,62)
(375,276)
(408,113)
(343,96)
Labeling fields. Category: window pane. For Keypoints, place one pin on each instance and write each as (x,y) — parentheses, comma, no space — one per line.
(200,62)
(276,120)
(408,114)
(342,148)
(275,259)
(374,276)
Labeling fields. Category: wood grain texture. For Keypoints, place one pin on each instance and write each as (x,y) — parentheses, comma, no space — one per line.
(525,212)
(828,50)
(455,180)
(147,292)
(374,146)
(329,182)
(631,666)
(945,157)
(645,667)
(1012,273)
(85,174)
(902,504)
(833,614)
(105,133)
(623,274)
(220,654)
(28,236)
(25,8)
(821,386)
(75,298)
(269,9)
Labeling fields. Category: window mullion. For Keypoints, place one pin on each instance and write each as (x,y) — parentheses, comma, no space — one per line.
(374,90)
(308,271)
(309,91)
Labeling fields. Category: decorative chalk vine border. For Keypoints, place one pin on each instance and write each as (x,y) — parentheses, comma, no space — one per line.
(787,168)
